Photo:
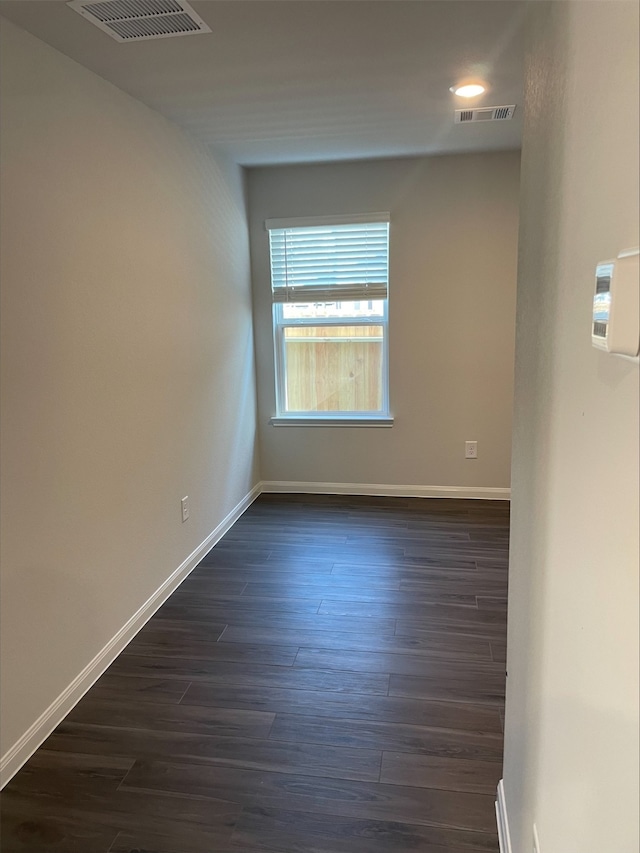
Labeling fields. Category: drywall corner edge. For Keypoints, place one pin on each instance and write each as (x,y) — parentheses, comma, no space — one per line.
(37,733)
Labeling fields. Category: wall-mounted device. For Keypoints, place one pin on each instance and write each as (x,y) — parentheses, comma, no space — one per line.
(616,305)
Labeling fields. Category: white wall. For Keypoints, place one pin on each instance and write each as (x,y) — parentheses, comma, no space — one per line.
(571,753)
(453,248)
(127,363)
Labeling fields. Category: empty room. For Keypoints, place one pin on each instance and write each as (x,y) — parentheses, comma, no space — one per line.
(319,426)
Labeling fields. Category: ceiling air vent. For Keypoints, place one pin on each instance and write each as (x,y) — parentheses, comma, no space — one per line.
(485,114)
(137,20)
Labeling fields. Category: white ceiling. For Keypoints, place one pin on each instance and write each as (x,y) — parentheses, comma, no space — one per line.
(280,81)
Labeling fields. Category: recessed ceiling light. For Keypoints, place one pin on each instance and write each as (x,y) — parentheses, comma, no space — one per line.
(469,90)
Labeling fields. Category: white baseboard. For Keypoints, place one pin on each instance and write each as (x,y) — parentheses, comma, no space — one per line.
(37,733)
(476,492)
(503,822)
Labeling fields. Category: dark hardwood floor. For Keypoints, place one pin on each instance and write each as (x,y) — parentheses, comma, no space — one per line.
(330,679)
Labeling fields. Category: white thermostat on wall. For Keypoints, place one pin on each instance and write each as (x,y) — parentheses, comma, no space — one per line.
(616,305)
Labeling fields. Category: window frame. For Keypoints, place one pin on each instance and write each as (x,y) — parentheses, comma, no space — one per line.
(283,417)
(378,417)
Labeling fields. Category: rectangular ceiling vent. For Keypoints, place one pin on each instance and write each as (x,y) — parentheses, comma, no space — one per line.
(485,114)
(138,20)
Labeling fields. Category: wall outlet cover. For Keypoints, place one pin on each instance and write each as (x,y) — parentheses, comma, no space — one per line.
(471,449)
(184,504)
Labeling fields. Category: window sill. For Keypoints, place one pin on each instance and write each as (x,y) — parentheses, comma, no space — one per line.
(332,421)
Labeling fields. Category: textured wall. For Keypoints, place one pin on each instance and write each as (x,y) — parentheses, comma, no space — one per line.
(127,363)
(453,246)
(571,761)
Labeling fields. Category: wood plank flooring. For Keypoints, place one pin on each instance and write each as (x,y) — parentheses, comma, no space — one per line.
(330,679)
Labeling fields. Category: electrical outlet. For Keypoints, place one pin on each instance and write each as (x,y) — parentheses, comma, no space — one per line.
(471,450)
(536,842)
(184,503)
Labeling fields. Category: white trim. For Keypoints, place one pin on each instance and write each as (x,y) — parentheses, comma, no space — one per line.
(311,221)
(322,420)
(477,492)
(35,735)
(504,837)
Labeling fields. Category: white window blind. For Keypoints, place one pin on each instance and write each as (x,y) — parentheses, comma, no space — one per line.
(322,260)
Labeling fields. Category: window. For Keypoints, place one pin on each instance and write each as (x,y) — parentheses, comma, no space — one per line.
(329,280)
